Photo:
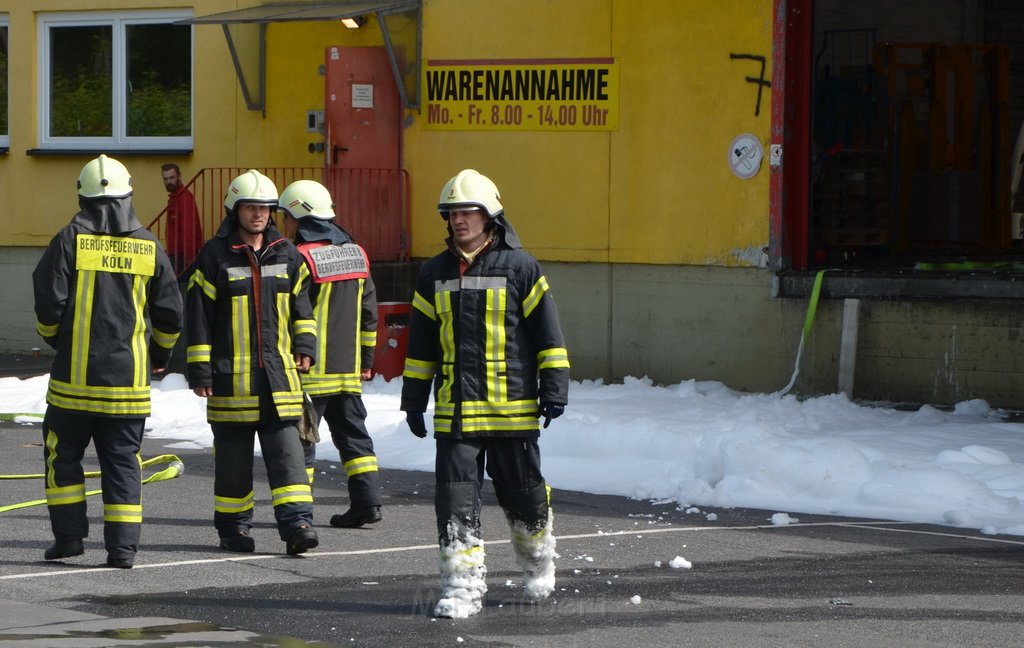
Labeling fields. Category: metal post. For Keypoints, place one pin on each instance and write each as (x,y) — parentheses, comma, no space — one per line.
(848,346)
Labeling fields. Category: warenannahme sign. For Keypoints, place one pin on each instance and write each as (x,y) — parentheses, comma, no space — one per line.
(522,94)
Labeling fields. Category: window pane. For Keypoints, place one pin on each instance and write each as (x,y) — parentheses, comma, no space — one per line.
(159,80)
(3,80)
(81,81)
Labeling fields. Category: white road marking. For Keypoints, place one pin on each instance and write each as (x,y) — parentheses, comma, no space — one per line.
(879,525)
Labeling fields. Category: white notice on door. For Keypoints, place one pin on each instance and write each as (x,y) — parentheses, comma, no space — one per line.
(362,95)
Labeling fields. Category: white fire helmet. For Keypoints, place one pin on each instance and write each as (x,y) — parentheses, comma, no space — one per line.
(251,187)
(307,199)
(469,189)
(104,177)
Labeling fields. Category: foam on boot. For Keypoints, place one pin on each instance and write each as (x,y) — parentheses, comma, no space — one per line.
(463,579)
(535,554)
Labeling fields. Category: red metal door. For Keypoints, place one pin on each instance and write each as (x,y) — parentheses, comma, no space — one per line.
(363,111)
(363,124)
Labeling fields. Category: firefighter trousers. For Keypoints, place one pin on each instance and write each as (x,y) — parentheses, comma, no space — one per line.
(346,416)
(513,464)
(117,441)
(233,496)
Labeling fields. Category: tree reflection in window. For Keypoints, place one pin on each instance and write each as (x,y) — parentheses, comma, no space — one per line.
(159,81)
(123,79)
(81,71)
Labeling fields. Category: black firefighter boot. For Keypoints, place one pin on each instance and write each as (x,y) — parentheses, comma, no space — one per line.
(357,516)
(64,549)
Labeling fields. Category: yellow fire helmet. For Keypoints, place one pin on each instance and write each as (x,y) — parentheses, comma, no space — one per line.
(251,187)
(104,177)
(470,189)
(307,199)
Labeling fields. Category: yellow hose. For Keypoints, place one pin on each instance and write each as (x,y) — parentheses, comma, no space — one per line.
(175,467)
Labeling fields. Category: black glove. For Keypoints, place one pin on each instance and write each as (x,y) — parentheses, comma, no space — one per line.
(416,424)
(550,411)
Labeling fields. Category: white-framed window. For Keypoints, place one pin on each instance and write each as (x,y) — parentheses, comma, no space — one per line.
(115,80)
(5,129)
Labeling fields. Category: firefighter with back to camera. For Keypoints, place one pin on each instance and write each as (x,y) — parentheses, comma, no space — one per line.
(345,306)
(107,300)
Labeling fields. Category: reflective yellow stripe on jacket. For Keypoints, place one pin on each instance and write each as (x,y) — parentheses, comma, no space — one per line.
(289,403)
(140,352)
(553,359)
(198,279)
(166,340)
(100,399)
(242,358)
(420,303)
(199,353)
(368,338)
(443,301)
(536,294)
(494,344)
(479,416)
(82,332)
(419,369)
(320,382)
(46,330)
(332,384)
(233,409)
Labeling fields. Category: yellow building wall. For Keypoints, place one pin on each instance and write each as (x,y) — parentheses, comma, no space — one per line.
(656,190)
(37,192)
(295,54)
(554,185)
(674,197)
(225,132)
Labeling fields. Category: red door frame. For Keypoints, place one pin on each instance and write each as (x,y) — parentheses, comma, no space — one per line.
(789,198)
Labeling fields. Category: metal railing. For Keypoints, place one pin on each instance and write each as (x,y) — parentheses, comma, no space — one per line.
(371,204)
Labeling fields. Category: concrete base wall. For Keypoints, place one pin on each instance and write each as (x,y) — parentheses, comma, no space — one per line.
(675,323)
(17,315)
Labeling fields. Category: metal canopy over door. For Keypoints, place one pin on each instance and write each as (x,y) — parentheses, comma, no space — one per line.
(363,129)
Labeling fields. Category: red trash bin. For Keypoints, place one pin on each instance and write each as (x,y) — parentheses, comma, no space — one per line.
(392,338)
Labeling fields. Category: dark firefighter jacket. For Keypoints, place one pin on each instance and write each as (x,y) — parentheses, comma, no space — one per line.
(100,278)
(344,307)
(248,312)
(489,340)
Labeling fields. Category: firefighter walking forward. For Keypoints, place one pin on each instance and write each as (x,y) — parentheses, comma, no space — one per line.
(345,307)
(485,332)
(250,332)
(107,300)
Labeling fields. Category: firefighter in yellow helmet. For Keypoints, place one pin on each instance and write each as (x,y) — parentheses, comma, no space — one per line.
(250,333)
(107,300)
(485,335)
(345,302)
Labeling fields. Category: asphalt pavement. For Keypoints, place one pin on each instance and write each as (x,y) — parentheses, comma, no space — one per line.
(630,573)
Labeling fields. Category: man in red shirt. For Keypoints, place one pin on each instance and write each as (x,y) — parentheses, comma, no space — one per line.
(184,231)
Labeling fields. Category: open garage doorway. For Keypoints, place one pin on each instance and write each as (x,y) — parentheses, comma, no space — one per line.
(915,112)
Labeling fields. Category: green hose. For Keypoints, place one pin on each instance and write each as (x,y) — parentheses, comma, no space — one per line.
(812,310)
